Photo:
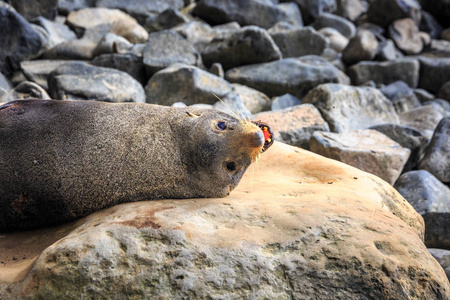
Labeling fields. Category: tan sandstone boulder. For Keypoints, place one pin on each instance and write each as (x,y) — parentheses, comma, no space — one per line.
(299,226)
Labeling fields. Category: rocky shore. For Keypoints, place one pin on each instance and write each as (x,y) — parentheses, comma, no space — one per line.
(363,82)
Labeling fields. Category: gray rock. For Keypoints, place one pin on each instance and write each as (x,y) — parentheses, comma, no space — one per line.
(388,51)
(230,26)
(141,9)
(254,100)
(440,104)
(16,45)
(347,108)
(363,46)
(444,91)
(423,95)
(344,26)
(249,45)
(311,9)
(67,6)
(187,84)
(384,12)
(401,95)
(39,70)
(437,229)
(5,83)
(217,69)
(56,33)
(407,137)
(251,12)
(291,75)
(165,20)
(424,119)
(424,192)
(233,104)
(167,47)
(367,150)
(126,62)
(405,34)
(198,34)
(434,72)
(25,90)
(80,81)
(404,69)
(294,125)
(112,43)
(437,158)
(443,258)
(285,101)
(32,9)
(337,41)
(430,25)
(298,42)
(351,9)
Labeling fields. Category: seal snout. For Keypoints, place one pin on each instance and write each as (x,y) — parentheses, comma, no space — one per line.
(256,139)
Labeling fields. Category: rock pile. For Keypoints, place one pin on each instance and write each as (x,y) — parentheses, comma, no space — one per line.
(363,82)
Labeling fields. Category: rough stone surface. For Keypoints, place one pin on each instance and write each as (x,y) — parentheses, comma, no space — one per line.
(405,69)
(347,108)
(387,51)
(127,62)
(185,83)
(250,12)
(297,42)
(424,192)
(437,230)
(405,34)
(165,20)
(444,91)
(401,95)
(289,235)
(291,75)
(423,95)
(5,83)
(80,81)
(167,47)
(363,46)
(337,41)
(437,157)
(197,33)
(32,9)
(25,90)
(424,119)
(254,100)
(311,9)
(345,27)
(119,22)
(16,45)
(407,137)
(443,258)
(112,43)
(351,9)
(434,72)
(285,101)
(368,150)
(294,125)
(249,45)
(54,32)
(38,70)
(384,12)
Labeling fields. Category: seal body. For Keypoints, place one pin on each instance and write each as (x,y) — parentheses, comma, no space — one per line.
(61,160)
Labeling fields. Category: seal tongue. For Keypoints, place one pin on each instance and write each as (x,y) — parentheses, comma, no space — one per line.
(268,134)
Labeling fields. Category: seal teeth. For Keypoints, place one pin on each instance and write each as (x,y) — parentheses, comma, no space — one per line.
(267,132)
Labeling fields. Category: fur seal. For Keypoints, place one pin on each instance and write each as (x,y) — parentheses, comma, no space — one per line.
(62,160)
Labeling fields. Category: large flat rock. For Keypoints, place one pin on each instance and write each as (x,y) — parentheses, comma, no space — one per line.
(298,226)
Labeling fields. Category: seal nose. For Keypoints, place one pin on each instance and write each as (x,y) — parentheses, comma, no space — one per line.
(256,139)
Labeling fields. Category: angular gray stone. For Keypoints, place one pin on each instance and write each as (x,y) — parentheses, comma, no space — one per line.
(440,104)
(437,229)
(444,91)
(367,150)
(291,75)
(80,81)
(32,9)
(347,108)
(197,33)
(294,125)
(434,72)
(5,83)
(424,118)
(254,100)
(407,137)
(443,258)
(298,42)
(311,9)
(338,42)
(405,34)
(424,192)
(387,51)
(56,33)
(112,43)
(404,69)
(217,69)
(126,62)
(363,46)
(384,12)
(285,101)
(141,9)
(233,104)
(38,70)
(165,20)
(401,95)
(25,90)
(16,45)
(250,12)
(67,6)
(423,95)
(344,26)
(249,45)
(351,9)
(187,84)
(437,158)
(167,47)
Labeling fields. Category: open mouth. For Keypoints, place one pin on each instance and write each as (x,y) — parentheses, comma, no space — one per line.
(268,134)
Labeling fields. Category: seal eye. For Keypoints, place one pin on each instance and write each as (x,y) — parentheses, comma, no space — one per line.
(221,125)
(231,166)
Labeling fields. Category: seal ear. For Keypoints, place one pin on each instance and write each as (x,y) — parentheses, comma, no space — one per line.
(193,115)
